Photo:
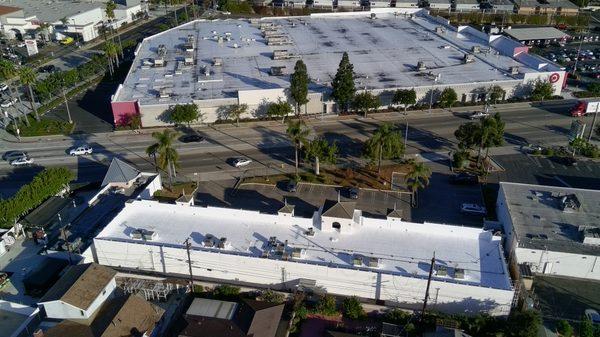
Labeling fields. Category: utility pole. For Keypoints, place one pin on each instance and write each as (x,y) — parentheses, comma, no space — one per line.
(64,235)
(592,128)
(187,248)
(66,103)
(428,284)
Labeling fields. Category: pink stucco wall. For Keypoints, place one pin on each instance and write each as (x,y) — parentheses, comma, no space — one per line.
(122,110)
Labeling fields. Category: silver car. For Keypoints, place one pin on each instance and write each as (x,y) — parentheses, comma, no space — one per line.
(23,161)
(472,209)
(239,162)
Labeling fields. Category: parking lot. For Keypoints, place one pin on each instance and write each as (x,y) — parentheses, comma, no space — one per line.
(588,58)
(540,170)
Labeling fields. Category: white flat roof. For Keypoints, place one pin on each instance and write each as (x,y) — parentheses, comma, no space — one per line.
(384,52)
(402,248)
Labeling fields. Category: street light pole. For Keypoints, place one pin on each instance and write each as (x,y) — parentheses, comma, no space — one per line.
(431,92)
(66,104)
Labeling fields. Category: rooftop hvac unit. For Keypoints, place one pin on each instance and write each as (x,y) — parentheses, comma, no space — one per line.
(208,241)
(373,16)
(475,49)
(357,260)
(441,270)
(421,66)
(277,70)
(459,273)
(217,62)
(265,254)
(162,50)
(164,93)
(468,58)
(310,232)
(280,248)
(373,262)
(189,60)
(514,70)
(220,39)
(143,234)
(440,30)
(207,71)
(159,62)
(298,253)
(280,54)
(272,241)
(222,243)
(147,62)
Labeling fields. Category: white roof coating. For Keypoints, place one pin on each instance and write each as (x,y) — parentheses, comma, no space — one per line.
(402,248)
(384,52)
(54,10)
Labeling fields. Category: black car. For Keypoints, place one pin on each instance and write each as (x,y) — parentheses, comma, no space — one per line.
(353,192)
(192,139)
(48,68)
(464,179)
(291,186)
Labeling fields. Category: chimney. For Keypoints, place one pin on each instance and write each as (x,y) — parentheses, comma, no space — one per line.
(38,333)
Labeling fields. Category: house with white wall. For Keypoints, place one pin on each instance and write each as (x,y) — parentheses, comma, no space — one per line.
(551,230)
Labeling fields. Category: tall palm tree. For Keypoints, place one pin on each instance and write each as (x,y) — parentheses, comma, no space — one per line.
(7,69)
(417,178)
(385,140)
(27,78)
(297,133)
(167,156)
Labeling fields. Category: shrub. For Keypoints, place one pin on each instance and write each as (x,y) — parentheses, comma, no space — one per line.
(272,296)
(226,292)
(564,328)
(460,159)
(548,151)
(397,316)
(198,288)
(352,308)
(326,305)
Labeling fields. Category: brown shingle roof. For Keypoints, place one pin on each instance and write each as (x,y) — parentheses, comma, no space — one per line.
(123,316)
(8,9)
(80,285)
(340,209)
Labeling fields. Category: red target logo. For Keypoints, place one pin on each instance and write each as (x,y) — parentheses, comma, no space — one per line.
(554,78)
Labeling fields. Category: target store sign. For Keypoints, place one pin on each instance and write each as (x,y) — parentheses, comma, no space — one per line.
(554,78)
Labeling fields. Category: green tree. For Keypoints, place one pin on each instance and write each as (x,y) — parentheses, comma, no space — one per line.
(386,143)
(7,69)
(448,98)
(185,113)
(297,133)
(352,308)
(226,292)
(163,150)
(417,178)
(327,305)
(365,101)
(523,324)
(272,296)
(564,328)
(235,111)
(110,10)
(111,51)
(319,150)
(279,109)
(28,79)
(496,93)
(299,85)
(541,90)
(594,88)
(491,133)
(405,97)
(343,83)
(467,135)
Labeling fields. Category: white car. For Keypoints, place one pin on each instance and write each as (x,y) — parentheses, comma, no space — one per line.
(592,315)
(472,209)
(3,87)
(80,151)
(23,161)
(8,102)
(478,115)
(239,162)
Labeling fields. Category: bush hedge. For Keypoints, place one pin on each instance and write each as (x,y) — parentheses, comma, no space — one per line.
(45,184)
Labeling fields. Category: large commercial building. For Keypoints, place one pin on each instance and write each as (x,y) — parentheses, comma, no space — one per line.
(551,230)
(338,250)
(79,19)
(216,64)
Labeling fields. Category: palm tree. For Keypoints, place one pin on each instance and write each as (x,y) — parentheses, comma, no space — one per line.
(7,69)
(297,133)
(417,178)
(163,150)
(27,78)
(386,140)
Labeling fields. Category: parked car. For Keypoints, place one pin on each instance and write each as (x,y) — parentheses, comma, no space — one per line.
(191,139)
(81,150)
(3,87)
(23,161)
(7,103)
(353,192)
(239,162)
(67,41)
(464,179)
(472,209)
(478,115)
(49,68)
(12,155)
(592,315)
(291,186)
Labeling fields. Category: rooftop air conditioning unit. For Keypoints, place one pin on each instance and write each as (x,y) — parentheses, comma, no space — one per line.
(468,58)
(310,232)
(440,30)
(441,270)
(222,243)
(373,262)
(208,241)
(280,54)
(298,253)
(164,93)
(272,241)
(357,261)
(459,273)
(514,70)
(159,62)
(476,49)
(217,62)
(421,66)
(277,70)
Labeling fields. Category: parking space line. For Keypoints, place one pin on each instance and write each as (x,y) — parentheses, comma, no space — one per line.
(535,160)
(589,168)
(577,168)
(550,163)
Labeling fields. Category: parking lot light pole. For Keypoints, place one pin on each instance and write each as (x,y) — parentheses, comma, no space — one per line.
(66,104)
(431,92)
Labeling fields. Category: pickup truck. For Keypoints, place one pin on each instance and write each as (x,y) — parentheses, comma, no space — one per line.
(583,108)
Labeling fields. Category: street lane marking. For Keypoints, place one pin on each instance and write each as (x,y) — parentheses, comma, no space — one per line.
(535,160)
(550,163)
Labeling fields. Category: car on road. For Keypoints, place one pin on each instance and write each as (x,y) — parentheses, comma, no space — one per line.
(592,315)
(478,115)
(81,150)
(7,103)
(464,179)
(353,192)
(239,162)
(191,139)
(3,87)
(67,41)
(472,209)
(13,155)
(50,68)
(291,186)
(23,161)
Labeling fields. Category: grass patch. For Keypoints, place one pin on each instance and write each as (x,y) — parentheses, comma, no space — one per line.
(44,127)
(176,191)
(364,177)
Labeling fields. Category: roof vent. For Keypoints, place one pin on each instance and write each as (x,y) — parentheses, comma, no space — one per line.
(514,70)
(217,62)
(277,70)
(421,66)
(468,58)
(569,203)
(373,262)
(357,260)
(373,16)
(475,49)
(209,241)
(162,50)
(310,232)
(440,30)
(459,273)
(222,243)
(143,234)
(441,270)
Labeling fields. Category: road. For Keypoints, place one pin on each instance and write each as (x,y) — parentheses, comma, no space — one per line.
(267,145)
